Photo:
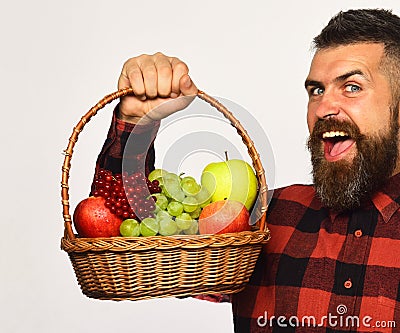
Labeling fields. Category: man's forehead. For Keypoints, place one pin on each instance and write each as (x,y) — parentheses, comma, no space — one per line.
(335,61)
(360,47)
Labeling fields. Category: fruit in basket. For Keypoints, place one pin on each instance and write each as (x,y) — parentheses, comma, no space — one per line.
(171,187)
(184,221)
(195,214)
(175,208)
(190,204)
(179,204)
(149,227)
(93,219)
(232,179)
(161,201)
(167,226)
(164,203)
(224,216)
(130,228)
(127,196)
(156,174)
(189,186)
(193,229)
(203,197)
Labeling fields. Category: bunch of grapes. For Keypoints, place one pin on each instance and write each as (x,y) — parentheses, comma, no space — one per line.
(178,206)
(127,196)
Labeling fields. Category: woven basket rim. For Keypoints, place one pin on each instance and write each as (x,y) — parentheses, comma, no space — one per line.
(117,244)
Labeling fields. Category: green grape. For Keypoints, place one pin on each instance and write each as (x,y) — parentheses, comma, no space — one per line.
(203,197)
(162,214)
(193,229)
(168,226)
(190,204)
(184,221)
(149,227)
(156,173)
(171,188)
(195,214)
(161,202)
(171,177)
(190,186)
(175,208)
(130,228)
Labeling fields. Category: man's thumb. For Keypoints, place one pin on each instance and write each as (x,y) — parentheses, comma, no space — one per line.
(187,86)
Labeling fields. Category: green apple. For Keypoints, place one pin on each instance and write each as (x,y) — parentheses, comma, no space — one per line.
(233,179)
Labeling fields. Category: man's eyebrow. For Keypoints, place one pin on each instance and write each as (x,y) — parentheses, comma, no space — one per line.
(312,83)
(345,76)
(340,78)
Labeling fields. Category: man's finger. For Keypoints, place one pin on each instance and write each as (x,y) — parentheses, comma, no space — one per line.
(179,69)
(131,76)
(150,79)
(164,75)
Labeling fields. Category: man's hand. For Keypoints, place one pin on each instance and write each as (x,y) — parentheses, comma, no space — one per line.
(155,79)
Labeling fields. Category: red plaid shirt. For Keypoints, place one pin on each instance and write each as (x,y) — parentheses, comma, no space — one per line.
(338,269)
(320,272)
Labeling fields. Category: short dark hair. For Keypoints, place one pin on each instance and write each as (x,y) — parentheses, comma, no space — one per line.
(367,26)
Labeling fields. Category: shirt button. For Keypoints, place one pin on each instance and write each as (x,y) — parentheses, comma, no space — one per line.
(358,233)
(348,284)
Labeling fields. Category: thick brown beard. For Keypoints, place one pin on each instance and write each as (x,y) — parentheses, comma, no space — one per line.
(344,185)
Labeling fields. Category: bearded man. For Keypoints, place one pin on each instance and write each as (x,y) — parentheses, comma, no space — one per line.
(333,263)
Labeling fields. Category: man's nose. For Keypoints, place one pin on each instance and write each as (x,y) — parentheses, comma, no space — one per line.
(329,106)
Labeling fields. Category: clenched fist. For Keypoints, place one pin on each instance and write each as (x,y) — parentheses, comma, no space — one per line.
(161,85)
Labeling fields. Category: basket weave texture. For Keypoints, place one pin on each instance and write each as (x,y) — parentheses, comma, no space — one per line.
(136,268)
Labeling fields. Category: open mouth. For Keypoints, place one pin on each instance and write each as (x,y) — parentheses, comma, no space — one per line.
(336,144)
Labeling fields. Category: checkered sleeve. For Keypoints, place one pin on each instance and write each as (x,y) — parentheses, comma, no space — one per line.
(128,144)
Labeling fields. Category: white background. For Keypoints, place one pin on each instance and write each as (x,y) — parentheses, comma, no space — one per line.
(58,58)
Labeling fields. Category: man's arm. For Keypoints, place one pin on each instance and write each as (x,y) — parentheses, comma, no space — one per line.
(140,154)
(161,86)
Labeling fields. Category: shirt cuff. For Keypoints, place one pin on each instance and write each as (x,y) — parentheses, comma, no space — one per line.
(123,126)
(120,132)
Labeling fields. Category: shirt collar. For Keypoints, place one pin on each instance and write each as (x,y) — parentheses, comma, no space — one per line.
(387,199)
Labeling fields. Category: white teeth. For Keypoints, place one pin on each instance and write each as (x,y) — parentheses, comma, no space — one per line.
(333,134)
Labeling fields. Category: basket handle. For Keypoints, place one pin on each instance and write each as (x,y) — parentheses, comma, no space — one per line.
(263,189)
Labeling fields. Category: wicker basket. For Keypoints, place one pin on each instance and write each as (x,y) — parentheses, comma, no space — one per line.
(135,268)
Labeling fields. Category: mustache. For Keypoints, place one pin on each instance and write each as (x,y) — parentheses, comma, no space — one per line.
(326,125)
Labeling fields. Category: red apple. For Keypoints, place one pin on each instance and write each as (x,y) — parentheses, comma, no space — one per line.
(224,216)
(93,219)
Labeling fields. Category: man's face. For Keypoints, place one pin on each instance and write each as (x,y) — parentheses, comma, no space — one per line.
(354,140)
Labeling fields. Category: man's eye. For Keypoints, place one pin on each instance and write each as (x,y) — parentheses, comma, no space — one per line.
(316,91)
(352,88)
